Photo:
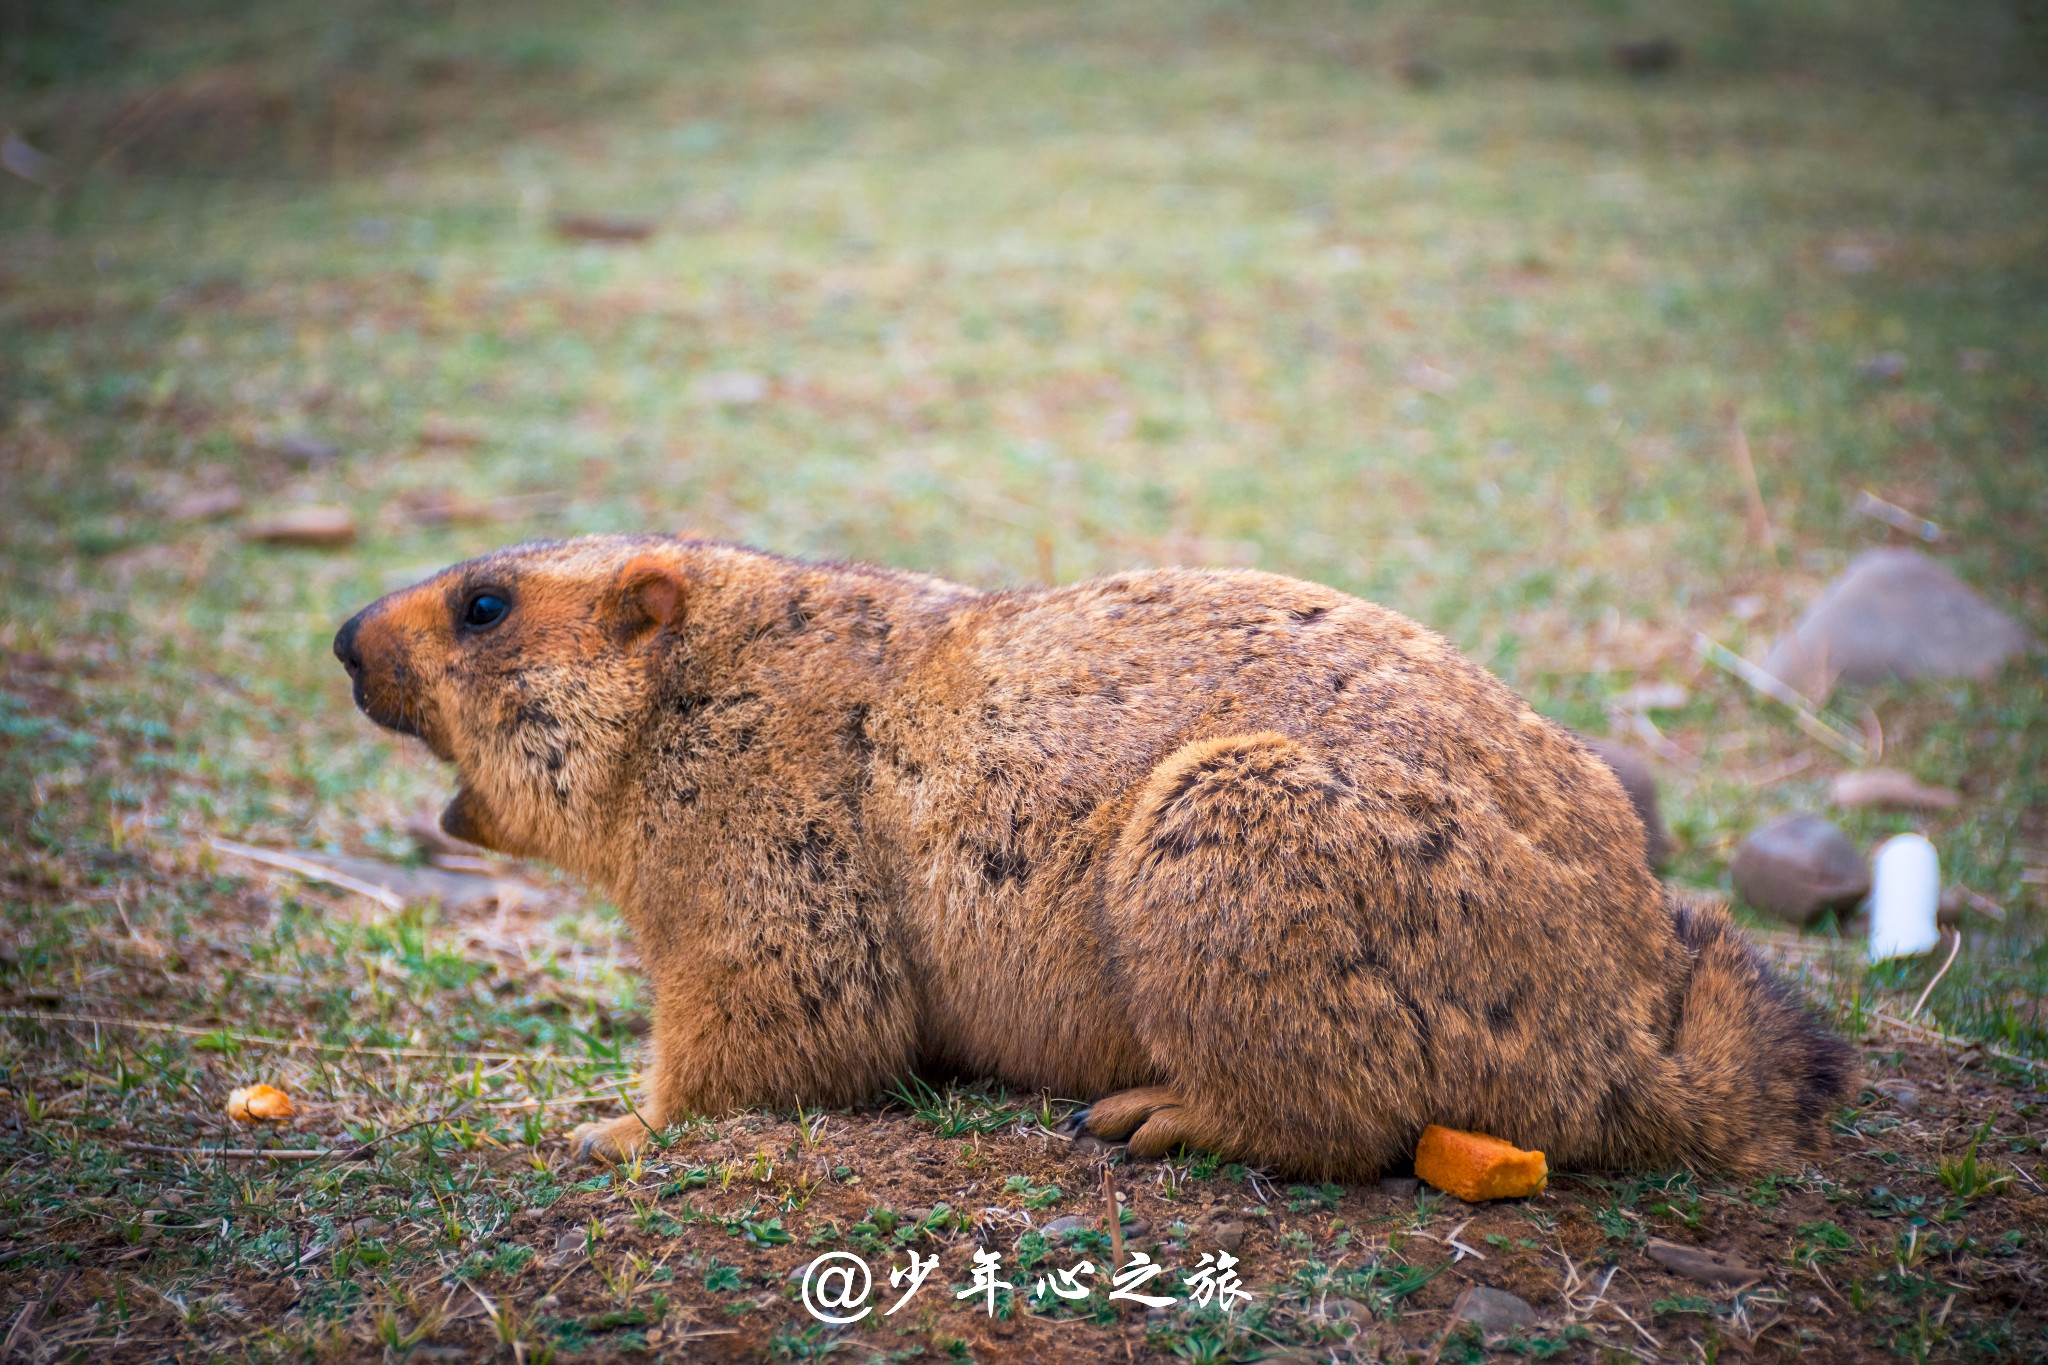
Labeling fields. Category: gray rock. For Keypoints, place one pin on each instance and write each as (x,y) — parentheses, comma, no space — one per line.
(1704,1264)
(300,449)
(1066,1223)
(1895,613)
(1647,56)
(1401,1186)
(1798,867)
(1227,1236)
(1904,1095)
(1889,789)
(1495,1310)
(1641,785)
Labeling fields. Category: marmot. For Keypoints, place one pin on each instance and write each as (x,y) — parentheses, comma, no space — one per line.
(1254,867)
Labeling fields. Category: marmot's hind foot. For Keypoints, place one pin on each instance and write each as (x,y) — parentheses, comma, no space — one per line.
(1153,1119)
(1113,1118)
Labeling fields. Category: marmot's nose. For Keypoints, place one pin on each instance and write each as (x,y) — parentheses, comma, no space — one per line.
(345,646)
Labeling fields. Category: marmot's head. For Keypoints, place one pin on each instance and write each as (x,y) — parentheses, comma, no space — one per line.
(528,670)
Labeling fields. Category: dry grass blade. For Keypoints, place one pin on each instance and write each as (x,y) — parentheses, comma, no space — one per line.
(1950,1040)
(1949,961)
(310,871)
(1782,692)
(1759,516)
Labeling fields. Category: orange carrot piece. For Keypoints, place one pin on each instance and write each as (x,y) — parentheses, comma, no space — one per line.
(1476,1167)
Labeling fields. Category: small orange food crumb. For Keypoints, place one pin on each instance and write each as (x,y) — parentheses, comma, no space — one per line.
(1476,1167)
(256,1103)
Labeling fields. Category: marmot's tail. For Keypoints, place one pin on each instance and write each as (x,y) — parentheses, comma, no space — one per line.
(1758,1071)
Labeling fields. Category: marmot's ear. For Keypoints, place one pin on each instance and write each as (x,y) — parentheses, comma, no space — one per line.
(650,598)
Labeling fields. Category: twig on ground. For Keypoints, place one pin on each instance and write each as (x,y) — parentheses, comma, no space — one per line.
(1116,1220)
(1451,1240)
(1759,517)
(563,1101)
(1953,949)
(32,1312)
(295,1044)
(246,1153)
(1950,1040)
(1896,517)
(309,870)
(1782,692)
(362,1150)
(1622,1313)
(1983,905)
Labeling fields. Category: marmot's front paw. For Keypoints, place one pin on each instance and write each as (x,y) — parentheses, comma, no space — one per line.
(609,1141)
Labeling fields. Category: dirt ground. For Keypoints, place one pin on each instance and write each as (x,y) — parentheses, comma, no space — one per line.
(1882,1251)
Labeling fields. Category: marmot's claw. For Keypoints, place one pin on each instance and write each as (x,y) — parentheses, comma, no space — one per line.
(1075,1124)
(590,1142)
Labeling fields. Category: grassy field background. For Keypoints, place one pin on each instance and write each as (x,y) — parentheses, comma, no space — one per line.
(1440,308)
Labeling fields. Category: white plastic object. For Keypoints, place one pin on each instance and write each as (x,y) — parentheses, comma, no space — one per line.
(1905,889)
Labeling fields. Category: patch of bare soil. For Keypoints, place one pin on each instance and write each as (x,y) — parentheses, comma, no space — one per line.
(1889,1248)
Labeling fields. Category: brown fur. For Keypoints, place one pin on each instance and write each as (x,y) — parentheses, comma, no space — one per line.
(1258,867)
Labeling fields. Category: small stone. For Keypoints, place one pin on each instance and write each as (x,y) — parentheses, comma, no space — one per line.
(1419,73)
(1066,1223)
(209,504)
(320,528)
(305,451)
(1889,789)
(1401,1186)
(1895,613)
(1886,367)
(571,1241)
(1798,867)
(612,229)
(731,388)
(1904,1095)
(1350,1308)
(1647,56)
(446,433)
(1227,1236)
(1633,768)
(1495,1310)
(1137,1229)
(1704,1264)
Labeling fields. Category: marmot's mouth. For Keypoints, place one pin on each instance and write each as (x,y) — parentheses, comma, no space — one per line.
(467,820)
(400,720)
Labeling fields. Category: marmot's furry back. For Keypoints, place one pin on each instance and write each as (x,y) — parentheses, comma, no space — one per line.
(1260,867)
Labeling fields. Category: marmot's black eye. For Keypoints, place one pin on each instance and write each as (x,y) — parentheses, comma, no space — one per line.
(484,610)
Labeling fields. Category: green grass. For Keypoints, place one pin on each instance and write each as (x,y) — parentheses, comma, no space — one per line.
(1008,293)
